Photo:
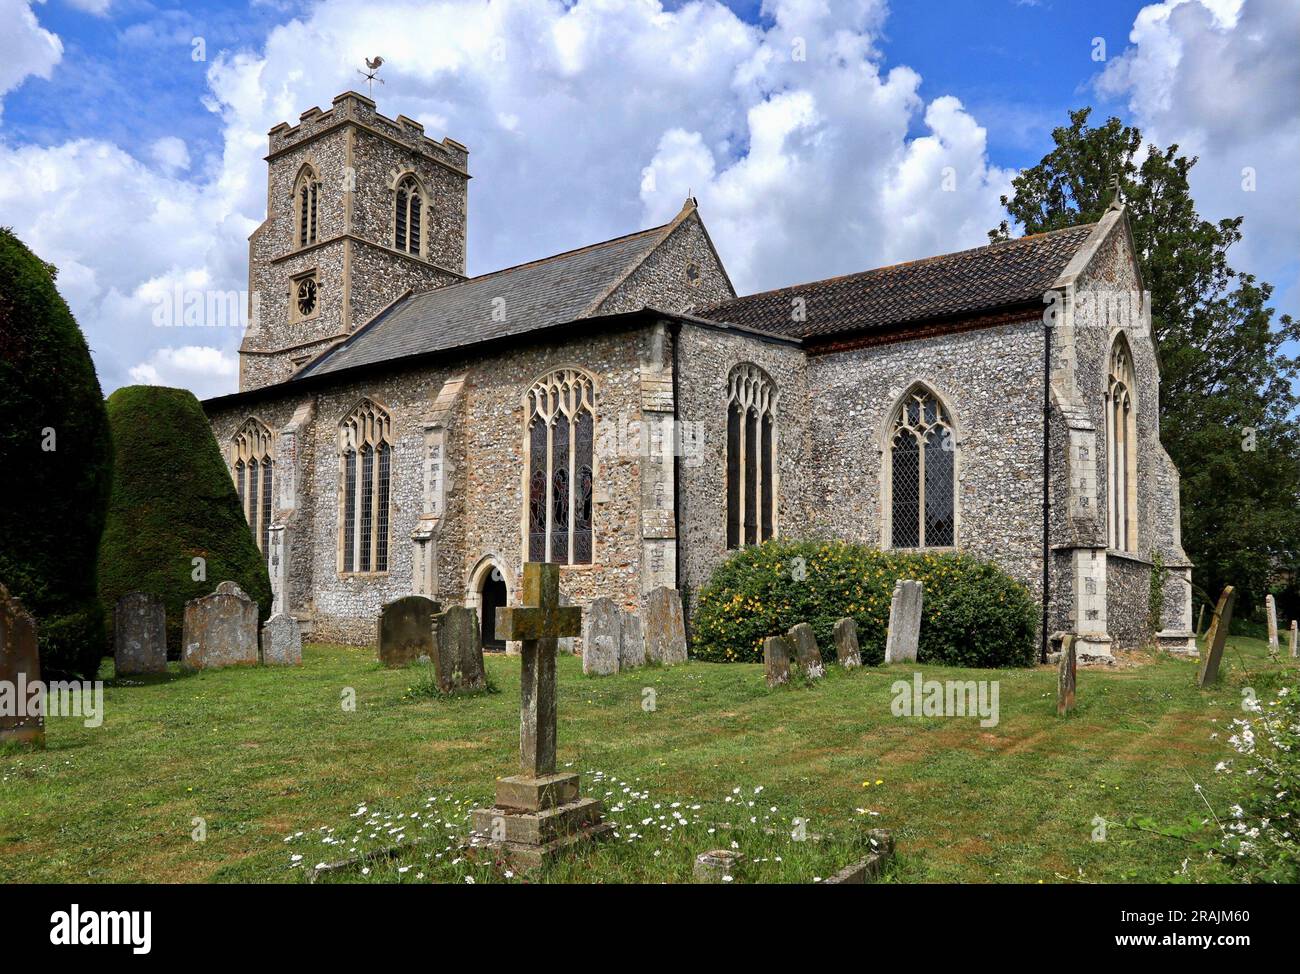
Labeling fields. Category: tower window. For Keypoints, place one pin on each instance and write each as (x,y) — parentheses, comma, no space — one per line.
(408,211)
(305,191)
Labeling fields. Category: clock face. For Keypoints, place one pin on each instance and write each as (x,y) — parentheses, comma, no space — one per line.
(306,296)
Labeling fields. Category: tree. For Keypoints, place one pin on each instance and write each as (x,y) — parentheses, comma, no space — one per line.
(56,457)
(175,528)
(1228,407)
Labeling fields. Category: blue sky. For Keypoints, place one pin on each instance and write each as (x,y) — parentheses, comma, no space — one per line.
(802,171)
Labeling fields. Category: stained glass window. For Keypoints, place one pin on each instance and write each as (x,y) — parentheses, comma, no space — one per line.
(751,456)
(922,474)
(537,481)
(584,472)
(561,471)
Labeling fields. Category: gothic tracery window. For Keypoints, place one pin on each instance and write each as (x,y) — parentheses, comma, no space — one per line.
(365,464)
(922,474)
(305,192)
(1121,442)
(751,463)
(408,211)
(561,411)
(252,467)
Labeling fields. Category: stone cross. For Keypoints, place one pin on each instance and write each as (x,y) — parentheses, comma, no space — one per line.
(538,624)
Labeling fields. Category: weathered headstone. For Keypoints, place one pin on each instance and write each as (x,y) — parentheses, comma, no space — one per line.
(20,668)
(904,622)
(458,662)
(602,638)
(716,866)
(219,630)
(776,660)
(1294,646)
(406,630)
(665,627)
(632,650)
(139,635)
(1270,607)
(1067,676)
(846,643)
(281,641)
(538,813)
(806,653)
(230,588)
(1217,638)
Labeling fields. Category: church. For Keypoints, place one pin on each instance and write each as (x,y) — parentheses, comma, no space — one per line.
(401,427)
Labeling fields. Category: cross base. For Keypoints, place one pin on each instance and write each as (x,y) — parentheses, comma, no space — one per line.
(535,819)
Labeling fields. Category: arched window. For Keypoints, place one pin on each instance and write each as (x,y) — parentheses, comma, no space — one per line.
(1121,454)
(407,216)
(305,191)
(751,461)
(251,463)
(365,465)
(561,417)
(922,482)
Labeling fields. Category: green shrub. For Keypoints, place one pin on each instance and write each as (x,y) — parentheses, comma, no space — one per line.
(974,614)
(173,501)
(57,460)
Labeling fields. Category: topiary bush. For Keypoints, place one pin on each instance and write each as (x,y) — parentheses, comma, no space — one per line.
(974,613)
(173,501)
(57,460)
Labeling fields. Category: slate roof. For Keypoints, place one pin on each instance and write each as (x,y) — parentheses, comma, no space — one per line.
(544,292)
(969,281)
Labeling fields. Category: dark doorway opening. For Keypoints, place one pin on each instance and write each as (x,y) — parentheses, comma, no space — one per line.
(494,597)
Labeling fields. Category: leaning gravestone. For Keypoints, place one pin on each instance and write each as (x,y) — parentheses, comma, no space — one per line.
(458,663)
(20,668)
(602,638)
(904,623)
(846,643)
(406,630)
(1067,676)
(776,660)
(281,641)
(665,627)
(139,635)
(1270,606)
(806,653)
(631,652)
(219,630)
(1217,638)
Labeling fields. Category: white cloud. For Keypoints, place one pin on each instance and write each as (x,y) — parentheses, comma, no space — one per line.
(26,48)
(171,154)
(204,370)
(97,7)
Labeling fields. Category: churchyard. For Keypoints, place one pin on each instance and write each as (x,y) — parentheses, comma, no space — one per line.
(260,773)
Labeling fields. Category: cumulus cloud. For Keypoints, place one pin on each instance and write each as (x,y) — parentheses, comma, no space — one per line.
(171,154)
(26,48)
(204,370)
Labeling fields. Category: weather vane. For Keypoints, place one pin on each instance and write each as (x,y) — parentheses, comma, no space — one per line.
(372,74)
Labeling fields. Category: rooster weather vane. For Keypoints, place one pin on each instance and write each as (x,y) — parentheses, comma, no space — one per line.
(371,75)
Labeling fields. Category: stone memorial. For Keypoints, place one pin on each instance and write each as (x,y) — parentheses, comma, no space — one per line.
(806,653)
(281,641)
(776,660)
(1294,647)
(845,635)
(458,662)
(904,622)
(230,588)
(665,627)
(716,866)
(538,812)
(219,630)
(1270,608)
(1217,638)
(602,638)
(139,635)
(20,668)
(406,630)
(1067,676)
(632,650)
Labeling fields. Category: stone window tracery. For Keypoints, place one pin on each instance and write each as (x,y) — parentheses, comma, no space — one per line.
(408,216)
(922,481)
(559,438)
(365,463)
(1121,441)
(751,463)
(252,467)
(305,192)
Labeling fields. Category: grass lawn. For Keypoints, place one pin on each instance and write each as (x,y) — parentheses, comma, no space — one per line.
(263,754)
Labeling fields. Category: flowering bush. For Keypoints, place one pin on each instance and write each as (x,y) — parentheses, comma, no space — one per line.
(973,614)
(1260,838)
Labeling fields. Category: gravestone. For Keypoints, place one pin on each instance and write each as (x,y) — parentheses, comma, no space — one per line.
(20,668)
(632,650)
(776,660)
(904,622)
(806,653)
(665,627)
(281,641)
(219,630)
(139,635)
(458,662)
(1217,638)
(230,588)
(538,813)
(716,866)
(1270,607)
(406,630)
(602,638)
(1294,647)
(1067,676)
(846,643)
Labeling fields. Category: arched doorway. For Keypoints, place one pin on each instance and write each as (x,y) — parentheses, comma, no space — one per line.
(492,596)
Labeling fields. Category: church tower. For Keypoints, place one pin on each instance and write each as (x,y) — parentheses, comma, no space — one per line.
(360,209)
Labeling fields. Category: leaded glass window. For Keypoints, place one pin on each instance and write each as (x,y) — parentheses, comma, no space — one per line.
(751,456)
(922,475)
(365,474)
(251,464)
(561,468)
